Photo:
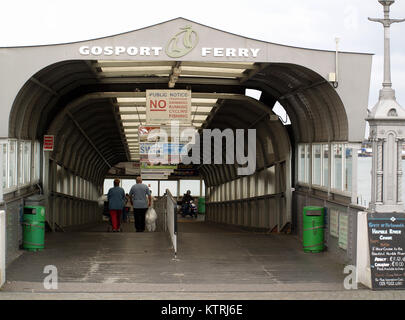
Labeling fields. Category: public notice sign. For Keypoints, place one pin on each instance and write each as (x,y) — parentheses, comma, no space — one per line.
(49,142)
(164,106)
(386,232)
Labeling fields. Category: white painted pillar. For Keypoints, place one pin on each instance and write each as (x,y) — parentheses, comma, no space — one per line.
(1,172)
(387,131)
(355,148)
(2,227)
(2,248)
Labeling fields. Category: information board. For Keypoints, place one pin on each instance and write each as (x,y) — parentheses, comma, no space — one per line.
(386,232)
(334,223)
(49,141)
(343,230)
(163,106)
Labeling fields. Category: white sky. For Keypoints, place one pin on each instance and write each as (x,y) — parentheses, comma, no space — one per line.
(309,23)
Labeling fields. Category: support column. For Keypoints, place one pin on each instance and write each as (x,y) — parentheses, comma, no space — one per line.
(355,157)
(400,144)
(2,247)
(47,187)
(387,131)
(1,172)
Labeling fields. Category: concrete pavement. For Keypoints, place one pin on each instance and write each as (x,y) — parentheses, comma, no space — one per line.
(213,262)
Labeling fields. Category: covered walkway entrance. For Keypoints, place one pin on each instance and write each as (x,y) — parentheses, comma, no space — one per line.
(91,97)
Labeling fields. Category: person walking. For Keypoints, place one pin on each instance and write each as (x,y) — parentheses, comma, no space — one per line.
(139,193)
(116,202)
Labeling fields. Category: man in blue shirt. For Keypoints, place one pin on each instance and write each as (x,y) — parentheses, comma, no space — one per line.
(116,202)
(138,195)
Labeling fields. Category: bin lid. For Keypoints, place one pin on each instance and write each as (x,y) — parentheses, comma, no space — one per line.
(35,200)
(313,208)
(36,197)
(313,211)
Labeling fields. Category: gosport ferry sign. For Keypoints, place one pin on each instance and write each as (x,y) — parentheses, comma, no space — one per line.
(178,46)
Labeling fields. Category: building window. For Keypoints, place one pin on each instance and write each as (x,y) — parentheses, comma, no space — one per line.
(37,161)
(252,185)
(261,184)
(348,169)
(3,150)
(301,163)
(317,164)
(232,190)
(308,163)
(271,180)
(325,162)
(203,189)
(238,191)
(338,166)
(20,162)
(171,185)
(12,164)
(27,162)
(192,185)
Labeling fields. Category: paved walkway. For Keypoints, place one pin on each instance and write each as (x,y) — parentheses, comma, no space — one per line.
(214,262)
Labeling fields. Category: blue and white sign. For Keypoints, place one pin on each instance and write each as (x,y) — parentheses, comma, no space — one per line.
(164,149)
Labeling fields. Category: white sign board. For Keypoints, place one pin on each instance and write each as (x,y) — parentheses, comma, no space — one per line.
(343,230)
(334,223)
(164,106)
(154,176)
(363,273)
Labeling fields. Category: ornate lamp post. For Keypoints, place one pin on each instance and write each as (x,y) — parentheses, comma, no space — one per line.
(387,133)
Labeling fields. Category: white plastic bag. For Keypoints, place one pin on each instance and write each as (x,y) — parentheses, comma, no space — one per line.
(101,200)
(150,219)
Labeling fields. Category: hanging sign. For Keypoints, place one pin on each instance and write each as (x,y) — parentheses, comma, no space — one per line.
(49,142)
(164,106)
(386,232)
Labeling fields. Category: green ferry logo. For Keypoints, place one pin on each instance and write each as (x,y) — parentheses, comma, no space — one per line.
(182,43)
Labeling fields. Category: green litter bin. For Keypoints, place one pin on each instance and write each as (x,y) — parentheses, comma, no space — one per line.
(313,229)
(34,228)
(201,205)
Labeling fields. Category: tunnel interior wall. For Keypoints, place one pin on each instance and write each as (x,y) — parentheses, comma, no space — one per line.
(256,201)
(13,230)
(72,199)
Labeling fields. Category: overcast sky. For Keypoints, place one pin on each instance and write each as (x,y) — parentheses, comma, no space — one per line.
(309,23)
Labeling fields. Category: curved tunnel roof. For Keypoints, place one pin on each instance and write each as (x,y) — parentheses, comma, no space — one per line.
(74,99)
(79,99)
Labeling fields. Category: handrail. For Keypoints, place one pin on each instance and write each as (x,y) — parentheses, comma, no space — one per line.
(263,197)
(67,196)
(171,213)
(170,196)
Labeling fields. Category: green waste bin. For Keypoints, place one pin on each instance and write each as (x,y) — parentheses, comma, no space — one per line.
(34,228)
(313,229)
(201,205)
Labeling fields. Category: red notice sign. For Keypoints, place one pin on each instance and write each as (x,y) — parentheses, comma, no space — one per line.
(49,143)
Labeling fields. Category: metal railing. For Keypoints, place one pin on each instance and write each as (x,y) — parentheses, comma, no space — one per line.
(171,210)
(166,209)
(263,212)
